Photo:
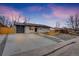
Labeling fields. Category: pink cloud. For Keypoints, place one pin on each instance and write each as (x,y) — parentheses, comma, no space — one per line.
(64,12)
(60,12)
(47,16)
(35,8)
(9,12)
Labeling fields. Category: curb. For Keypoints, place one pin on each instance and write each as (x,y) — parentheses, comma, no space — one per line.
(51,37)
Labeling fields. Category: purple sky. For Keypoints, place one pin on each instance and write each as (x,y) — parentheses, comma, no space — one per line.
(41,13)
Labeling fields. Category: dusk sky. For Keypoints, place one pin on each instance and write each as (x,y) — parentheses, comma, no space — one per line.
(40,13)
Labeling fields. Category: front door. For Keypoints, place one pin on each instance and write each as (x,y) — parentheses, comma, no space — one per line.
(35,29)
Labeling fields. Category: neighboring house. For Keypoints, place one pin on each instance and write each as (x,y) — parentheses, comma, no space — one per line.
(29,27)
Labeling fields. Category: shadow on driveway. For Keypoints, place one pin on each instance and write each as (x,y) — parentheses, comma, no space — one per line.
(2,45)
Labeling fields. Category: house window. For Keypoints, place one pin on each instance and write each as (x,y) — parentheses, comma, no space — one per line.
(30,28)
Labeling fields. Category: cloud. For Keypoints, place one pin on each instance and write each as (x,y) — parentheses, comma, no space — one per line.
(9,12)
(63,12)
(60,12)
(34,8)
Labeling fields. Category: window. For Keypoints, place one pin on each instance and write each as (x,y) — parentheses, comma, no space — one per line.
(30,28)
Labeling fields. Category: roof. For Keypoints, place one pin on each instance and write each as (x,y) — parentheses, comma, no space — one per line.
(31,24)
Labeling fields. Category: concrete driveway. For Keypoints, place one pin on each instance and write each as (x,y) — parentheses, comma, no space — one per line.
(1,38)
(18,43)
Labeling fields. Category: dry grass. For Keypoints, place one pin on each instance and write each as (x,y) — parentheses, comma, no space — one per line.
(52,33)
(7,30)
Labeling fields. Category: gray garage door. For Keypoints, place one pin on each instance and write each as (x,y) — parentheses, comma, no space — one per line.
(20,29)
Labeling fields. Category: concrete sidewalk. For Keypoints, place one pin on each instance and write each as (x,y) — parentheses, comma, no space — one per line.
(70,50)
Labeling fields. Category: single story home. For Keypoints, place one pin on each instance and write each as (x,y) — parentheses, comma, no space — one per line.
(30,27)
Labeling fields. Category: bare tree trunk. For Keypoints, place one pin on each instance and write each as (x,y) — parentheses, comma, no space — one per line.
(74,22)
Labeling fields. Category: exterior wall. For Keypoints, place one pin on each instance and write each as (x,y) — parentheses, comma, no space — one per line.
(39,29)
(28,30)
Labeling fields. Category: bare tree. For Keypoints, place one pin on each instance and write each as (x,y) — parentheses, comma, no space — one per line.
(57,24)
(25,20)
(2,19)
(5,21)
(15,19)
(19,18)
(73,22)
(76,22)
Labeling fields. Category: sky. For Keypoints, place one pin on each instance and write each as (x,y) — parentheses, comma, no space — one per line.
(40,13)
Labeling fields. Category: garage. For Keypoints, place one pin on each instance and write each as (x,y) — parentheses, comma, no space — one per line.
(20,28)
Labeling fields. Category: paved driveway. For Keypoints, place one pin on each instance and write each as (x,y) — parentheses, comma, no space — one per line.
(18,43)
(1,38)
